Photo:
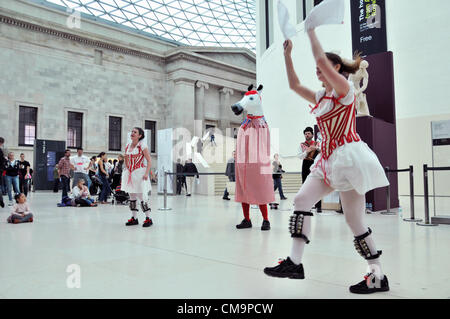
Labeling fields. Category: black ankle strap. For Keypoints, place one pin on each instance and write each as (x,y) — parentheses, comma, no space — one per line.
(300,212)
(367,234)
(375,256)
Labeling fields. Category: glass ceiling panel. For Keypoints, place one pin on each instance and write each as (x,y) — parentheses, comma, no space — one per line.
(225,23)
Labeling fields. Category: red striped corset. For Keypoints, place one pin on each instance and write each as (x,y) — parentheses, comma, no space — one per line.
(337,126)
(135,161)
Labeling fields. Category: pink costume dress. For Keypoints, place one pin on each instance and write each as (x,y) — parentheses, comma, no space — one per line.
(345,162)
(254,184)
(132,178)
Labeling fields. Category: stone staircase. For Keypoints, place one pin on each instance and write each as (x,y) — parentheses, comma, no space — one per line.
(291,182)
(220,181)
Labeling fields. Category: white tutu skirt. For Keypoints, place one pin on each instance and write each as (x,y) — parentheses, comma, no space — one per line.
(135,184)
(351,166)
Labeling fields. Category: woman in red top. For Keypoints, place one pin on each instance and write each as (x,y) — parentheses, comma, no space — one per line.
(345,164)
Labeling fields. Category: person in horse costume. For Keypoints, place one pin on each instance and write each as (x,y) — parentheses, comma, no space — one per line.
(254,185)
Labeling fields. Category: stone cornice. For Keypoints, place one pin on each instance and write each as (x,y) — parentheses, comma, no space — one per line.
(182,54)
(77,38)
(244,51)
(182,74)
(173,56)
(184,80)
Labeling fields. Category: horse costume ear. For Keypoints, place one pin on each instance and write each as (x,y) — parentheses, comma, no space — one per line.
(260,87)
(250,87)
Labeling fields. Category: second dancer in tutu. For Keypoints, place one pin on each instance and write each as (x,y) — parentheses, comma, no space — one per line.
(135,176)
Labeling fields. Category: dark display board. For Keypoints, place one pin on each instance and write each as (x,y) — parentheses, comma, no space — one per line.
(47,154)
(380,136)
(368,20)
(381,91)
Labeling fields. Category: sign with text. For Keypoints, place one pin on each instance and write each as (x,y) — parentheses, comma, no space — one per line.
(368,18)
(440,133)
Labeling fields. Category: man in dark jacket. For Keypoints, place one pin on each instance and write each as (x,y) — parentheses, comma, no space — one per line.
(191,170)
(180,178)
(2,167)
(231,174)
(24,174)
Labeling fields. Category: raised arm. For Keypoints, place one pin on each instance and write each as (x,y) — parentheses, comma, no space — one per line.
(294,82)
(336,80)
(365,82)
(149,162)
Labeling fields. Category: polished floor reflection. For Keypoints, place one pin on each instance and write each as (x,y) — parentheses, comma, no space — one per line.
(194,251)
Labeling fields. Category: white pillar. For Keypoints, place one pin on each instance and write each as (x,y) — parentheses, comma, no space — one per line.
(183,102)
(225,107)
(200,107)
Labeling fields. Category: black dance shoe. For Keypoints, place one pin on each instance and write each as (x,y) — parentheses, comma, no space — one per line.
(286,269)
(132,221)
(148,222)
(265,225)
(370,284)
(244,224)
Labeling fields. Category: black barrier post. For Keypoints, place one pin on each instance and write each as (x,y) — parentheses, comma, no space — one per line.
(411,197)
(388,195)
(165,193)
(426,199)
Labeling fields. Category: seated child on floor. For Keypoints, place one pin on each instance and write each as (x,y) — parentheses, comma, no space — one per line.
(82,196)
(20,212)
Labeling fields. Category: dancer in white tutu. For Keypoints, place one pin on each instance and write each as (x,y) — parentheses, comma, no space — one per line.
(135,176)
(345,164)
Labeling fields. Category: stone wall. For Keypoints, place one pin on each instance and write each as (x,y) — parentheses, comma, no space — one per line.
(46,65)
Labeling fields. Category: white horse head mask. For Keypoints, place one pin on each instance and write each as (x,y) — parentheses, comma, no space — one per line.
(251,102)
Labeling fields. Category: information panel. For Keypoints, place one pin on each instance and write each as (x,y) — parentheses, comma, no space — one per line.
(47,154)
(368,18)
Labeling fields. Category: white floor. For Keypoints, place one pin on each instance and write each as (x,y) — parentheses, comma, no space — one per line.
(195,251)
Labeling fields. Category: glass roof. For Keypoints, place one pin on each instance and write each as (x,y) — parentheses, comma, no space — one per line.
(226,23)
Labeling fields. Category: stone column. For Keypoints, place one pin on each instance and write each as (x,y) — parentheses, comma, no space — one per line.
(225,108)
(183,104)
(200,107)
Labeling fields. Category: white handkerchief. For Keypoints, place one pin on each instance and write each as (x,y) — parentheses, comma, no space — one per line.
(327,12)
(287,28)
